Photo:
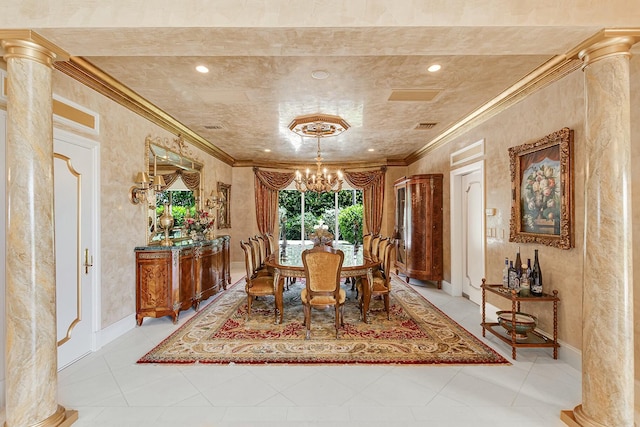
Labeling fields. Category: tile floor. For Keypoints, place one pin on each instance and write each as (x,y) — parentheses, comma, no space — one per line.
(109,389)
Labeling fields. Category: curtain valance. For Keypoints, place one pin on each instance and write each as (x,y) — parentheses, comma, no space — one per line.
(372,185)
(191,179)
(267,185)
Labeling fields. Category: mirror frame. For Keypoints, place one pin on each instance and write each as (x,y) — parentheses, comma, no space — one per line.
(178,147)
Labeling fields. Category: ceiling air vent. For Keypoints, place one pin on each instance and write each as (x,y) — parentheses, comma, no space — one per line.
(214,127)
(423,95)
(425,126)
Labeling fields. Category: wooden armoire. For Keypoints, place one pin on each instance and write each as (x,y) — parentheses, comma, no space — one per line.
(418,227)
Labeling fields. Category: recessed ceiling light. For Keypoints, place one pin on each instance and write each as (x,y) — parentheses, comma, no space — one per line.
(433,68)
(319,74)
(371,149)
(202,69)
(267,150)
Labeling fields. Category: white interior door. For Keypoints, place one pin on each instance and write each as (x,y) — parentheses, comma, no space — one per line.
(472,236)
(75,206)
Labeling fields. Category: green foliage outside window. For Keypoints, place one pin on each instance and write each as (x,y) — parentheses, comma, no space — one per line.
(319,206)
(350,223)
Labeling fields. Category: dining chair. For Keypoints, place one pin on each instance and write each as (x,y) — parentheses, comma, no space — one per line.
(322,267)
(258,261)
(375,241)
(271,246)
(381,285)
(256,285)
(254,258)
(366,245)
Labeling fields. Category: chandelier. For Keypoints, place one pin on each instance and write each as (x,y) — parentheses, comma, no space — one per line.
(318,126)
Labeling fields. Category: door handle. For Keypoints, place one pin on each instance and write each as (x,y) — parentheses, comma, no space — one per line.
(88,261)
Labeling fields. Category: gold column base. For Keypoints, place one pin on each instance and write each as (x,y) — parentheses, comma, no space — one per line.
(568,418)
(61,418)
(577,418)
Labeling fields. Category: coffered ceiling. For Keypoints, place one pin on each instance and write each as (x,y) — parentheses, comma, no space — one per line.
(261,77)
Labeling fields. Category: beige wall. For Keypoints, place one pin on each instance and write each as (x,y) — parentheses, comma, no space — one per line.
(243,210)
(122,154)
(552,108)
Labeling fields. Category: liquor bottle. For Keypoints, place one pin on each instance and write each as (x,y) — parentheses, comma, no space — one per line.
(518,264)
(524,282)
(505,274)
(514,279)
(536,284)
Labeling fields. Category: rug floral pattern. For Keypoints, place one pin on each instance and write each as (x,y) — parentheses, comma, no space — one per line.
(418,333)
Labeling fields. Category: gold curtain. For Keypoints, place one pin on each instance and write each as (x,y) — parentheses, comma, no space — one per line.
(191,180)
(372,185)
(267,185)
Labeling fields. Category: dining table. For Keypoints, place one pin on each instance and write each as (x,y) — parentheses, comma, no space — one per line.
(286,262)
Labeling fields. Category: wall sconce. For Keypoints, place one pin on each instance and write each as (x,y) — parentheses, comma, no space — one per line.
(138,193)
(158,183)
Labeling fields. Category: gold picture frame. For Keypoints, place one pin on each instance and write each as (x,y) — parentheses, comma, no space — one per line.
(224,213)
(542,191)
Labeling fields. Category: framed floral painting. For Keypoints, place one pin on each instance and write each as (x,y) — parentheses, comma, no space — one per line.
(542,191)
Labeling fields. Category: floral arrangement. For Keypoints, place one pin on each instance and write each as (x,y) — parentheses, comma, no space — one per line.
(200,225)
(541,194)
(321,233)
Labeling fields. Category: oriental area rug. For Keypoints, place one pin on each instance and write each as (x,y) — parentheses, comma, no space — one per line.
(418,333)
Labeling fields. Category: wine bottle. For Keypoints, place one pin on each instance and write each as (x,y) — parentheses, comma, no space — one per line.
(505,274)
(536,284)
(524,282)
(514,279)
(518,264)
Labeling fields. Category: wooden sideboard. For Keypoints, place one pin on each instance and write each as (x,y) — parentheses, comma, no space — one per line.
(175,278)
(418,227)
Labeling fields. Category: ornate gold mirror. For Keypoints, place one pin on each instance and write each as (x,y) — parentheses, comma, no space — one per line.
(176,180)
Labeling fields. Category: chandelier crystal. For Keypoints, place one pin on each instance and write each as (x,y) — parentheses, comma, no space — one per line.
(318,126)
(319,182)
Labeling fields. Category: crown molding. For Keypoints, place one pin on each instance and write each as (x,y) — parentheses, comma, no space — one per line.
(93,77)
(303,165)
(553,70)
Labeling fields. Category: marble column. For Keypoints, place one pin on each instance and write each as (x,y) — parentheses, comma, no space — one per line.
(607,313)
(31,344)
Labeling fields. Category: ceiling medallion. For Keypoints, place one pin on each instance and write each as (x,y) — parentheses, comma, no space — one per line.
(318,126)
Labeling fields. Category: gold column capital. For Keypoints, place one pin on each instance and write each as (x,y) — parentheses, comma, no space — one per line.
(30,45)
(610,43)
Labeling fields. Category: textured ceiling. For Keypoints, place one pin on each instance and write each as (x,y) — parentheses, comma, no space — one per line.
(261,78)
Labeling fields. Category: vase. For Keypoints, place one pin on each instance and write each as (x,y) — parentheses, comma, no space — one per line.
(197,236)
(166,222)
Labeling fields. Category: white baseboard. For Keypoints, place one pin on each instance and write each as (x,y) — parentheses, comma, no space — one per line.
(566,353)
(115,330)
(448,288)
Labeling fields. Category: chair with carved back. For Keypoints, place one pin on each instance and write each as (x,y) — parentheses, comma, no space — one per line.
(322,267)
(256,285)
(258,261)
(375,241)
(271,244)
(366,245)
(255,258)
(263,247)
(381,285)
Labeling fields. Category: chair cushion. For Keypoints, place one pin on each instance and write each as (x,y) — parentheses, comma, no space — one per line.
(379,285)
(262,285)
(324,299)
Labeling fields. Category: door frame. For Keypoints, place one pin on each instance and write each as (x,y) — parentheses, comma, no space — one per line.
(457,227)
(94,147)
